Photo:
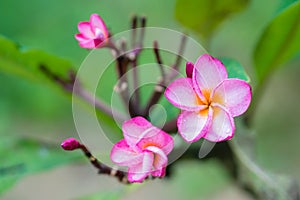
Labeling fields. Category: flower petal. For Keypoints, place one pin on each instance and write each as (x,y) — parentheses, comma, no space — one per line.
(194,125)
(89,44)
(139,133)
(160,161)
(182,95)
(97,22)
(234,94)
(222,127)
(123,155)
(85,29)
(137,128)
(137,173)
(81,38)
(161,140)
(208,73)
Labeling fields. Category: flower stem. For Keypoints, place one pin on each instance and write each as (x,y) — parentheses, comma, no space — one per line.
(102,168)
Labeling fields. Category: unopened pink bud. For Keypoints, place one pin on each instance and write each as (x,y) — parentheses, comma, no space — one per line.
(70,144)
(189,69)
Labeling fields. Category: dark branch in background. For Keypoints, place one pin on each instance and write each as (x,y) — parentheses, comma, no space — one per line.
(123,45)
(180,52)
(170,126)
(133,27)
(159,61)
(137,45)
(178,59)
(65,84)
(135,100)
(102,168)
(160,87)
(142,34)
(68,85)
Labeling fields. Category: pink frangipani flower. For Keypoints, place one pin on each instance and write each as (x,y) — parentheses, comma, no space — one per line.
(209,100)
(93,34)
(143,150)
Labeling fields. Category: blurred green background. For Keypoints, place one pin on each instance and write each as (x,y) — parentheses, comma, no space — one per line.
(40,117)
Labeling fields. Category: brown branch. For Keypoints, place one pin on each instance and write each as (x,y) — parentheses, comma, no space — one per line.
(104,169)
(170,126)
(160,87)
(134,104)
(180,52)
(159,60)
(142,34)
(68,86)
(133,31)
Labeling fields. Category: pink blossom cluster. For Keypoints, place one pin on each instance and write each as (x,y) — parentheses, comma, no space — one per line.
(208,100)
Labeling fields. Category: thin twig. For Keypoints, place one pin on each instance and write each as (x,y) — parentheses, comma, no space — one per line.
(159,61)
(110,44)
(137,48)
(180,52)
(123,45)
(178,59)
(121,67)
(160,87)
(122,87)
(104,169)
(142,34)
(133,31)
(157,93)
(100,105)
(136,95)
(68,86)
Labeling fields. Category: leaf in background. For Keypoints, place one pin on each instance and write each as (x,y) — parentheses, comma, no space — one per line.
(205,15)
(283,4)
(26,63)
(279,42)
(20,157)
(265,184)
(235,69)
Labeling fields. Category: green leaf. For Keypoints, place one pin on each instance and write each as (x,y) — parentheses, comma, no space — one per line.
(205,15)
(20,157)
(235,69)
(279,42)
(26,63)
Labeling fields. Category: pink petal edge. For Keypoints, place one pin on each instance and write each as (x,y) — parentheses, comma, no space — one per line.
(192,123)
(137,173)
(219,126)
(208,73)
(160,161)
(85,29)
(122,154)
(182,95)
(97,22)
(236,95)
(137,128)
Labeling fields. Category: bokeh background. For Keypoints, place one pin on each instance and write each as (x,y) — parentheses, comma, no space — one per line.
(39,117)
